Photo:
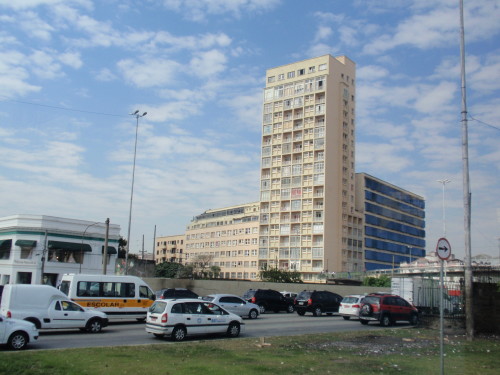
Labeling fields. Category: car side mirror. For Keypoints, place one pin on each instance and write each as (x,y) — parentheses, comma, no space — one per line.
(153,298)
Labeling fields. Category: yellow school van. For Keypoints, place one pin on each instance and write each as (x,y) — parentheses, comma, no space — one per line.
(120,297)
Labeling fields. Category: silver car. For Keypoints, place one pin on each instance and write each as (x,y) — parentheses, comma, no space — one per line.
(234,304)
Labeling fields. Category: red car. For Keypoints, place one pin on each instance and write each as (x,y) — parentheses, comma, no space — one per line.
(387,309)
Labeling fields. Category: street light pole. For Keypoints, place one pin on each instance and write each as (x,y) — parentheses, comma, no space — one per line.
(137,116)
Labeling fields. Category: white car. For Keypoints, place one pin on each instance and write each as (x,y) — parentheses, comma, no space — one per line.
(17,333)
(350,305)
(234,304)
(180,318)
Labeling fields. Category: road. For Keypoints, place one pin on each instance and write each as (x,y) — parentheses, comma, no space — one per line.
(133,333)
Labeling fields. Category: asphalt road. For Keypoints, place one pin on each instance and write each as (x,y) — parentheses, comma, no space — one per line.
(133,333)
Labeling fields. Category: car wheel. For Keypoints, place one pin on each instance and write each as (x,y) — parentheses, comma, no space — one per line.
(414,319)
(317,311)
(18,341)
(94,326)
(290,309)
(158,335)
(179,333)
(301,312)
(366,310)
(253,314)
(233,330)
(346,317)
(262,309)
(385,321)
(364,322)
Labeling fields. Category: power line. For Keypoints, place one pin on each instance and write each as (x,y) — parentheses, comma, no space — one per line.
(484,123)
(63,108)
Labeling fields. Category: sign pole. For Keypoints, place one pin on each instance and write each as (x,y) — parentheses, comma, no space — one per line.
(443,251)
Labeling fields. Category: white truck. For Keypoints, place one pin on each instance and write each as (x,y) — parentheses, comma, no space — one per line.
(423,293)
(49,308)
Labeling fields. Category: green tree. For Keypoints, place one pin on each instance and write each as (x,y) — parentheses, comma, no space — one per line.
(383,281)
(168,269)
(122,248)
(280,276)
(214,272)
(187,271)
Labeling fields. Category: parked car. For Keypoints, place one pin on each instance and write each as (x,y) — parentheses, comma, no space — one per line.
(16,333)
(350,305)
(175,293)
(317,302)
(180,318)
(234,304)
(387,309)
(269,300)
(49,308)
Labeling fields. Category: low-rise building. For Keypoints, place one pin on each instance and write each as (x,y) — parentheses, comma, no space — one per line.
(38,249)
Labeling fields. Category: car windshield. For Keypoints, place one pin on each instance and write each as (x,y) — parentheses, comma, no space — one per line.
(350,300)
(208,298)
(372,299)
(249,294)
(157,307)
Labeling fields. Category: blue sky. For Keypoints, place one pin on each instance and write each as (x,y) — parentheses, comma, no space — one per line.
(72,71)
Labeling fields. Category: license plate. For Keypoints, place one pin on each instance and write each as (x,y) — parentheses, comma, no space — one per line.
(302,303)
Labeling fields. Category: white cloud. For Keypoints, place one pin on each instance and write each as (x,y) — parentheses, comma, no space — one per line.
(149,72)
(371,72)
(208,64)
(197,10)
(322,33)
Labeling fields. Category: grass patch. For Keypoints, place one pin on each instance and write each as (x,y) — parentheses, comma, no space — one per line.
(391,351)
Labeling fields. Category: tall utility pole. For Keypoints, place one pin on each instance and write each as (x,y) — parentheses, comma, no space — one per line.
(105,251)
(137,117)
(444,182)
(469,316)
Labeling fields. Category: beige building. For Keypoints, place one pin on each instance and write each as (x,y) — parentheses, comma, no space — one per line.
(307,208)
(170,249)
(227,238)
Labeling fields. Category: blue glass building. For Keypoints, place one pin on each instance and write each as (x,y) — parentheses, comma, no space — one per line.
(394,223)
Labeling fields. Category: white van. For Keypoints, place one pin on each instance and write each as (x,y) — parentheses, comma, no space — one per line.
(120,297)
(48,308)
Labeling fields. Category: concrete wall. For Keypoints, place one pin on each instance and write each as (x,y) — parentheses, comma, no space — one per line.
(205,287)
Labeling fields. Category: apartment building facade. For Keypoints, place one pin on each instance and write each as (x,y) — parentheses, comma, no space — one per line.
(307,204)
(170,249)
(394,223)
(227,238)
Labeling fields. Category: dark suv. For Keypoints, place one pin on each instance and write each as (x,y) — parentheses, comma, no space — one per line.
(387,309)
(175,293)
(269,299)
(317,302)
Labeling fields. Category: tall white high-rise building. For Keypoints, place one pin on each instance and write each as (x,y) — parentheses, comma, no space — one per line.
(308,220)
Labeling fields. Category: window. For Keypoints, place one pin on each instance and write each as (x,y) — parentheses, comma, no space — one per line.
(268,94)
(322,67)
(270,79)
(290,74)
(5,246)
(312,69)
(301,72)
(281,77)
